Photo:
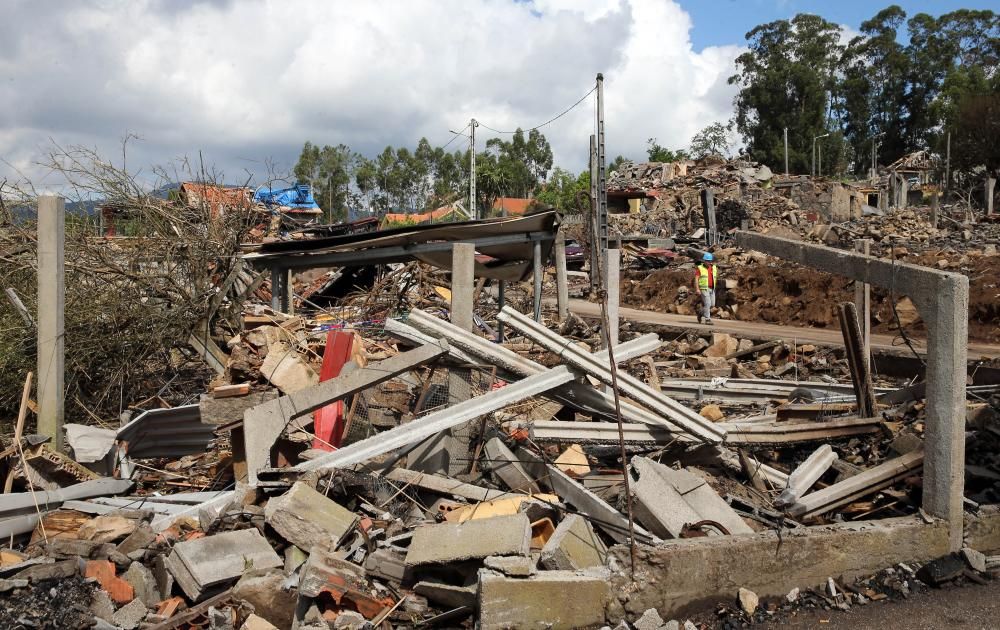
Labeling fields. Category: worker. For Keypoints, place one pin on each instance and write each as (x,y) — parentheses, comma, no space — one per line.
(705,277)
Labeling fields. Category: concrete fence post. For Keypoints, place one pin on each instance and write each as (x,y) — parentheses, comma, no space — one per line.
(51,307)
(562,286)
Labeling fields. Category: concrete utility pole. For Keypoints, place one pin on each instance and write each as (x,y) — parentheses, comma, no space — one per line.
(786,150)
(51,306)
(602,182)
(473,210)
(595,247)
(814,152)
(947,166)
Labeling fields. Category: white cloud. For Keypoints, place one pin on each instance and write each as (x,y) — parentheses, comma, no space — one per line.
(251,80)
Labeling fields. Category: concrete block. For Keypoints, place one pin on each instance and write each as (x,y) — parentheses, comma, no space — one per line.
(447,595)
(504,465)
(551,599)
(324,569)
(306,518)
(101,605)
(205,562)
(49,571)
(130,615)
(473,540)
(387,564)
(263,589)
(106,528)
(650,620)
(143,583)
(574,545)
(285,370)
(225,410)
(142,537)
(254,622)
(511,566)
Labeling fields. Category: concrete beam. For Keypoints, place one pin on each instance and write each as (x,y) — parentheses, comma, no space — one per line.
(463,267)
(612,282)
(445,485)
(806,474)
(679,574)
(264,423)
(439,421)
(594,507)
(51,310)
(942,299)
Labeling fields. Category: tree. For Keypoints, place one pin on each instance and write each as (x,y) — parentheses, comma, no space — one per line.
(329,171)
(616,163)
(715,139)
(656,153)
(562,188)
(786,80)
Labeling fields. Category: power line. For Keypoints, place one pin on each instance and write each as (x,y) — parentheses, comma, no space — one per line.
(551,120)
(456,135)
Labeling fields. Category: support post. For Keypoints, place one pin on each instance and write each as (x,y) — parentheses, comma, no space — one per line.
(287,294)
(857,360)
(277,279)
(463,261)
(990,184)
(51,307)
(612,283)
(708,210)
(935,208)
(862,301)
(562,286)
(537,280)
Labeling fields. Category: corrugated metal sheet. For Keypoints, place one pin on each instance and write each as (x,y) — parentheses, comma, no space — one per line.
(166,433)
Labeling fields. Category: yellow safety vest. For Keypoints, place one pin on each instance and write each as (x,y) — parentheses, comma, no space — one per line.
(707,276)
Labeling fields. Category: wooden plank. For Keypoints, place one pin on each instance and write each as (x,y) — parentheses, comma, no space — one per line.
(22,413)
(227,391)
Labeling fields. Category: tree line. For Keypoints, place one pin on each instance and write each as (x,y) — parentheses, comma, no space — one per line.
(901,85)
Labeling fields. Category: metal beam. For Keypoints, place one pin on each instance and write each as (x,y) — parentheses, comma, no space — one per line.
(439,421)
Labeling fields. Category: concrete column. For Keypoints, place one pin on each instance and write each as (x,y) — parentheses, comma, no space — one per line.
(51,307)
(463,284)
(904,192)
(862,301)
(935,208)
(537,278)
(612,282)
(944,305)
(990,184)
(277,279)
(562,286)
(287,293)
(708,210)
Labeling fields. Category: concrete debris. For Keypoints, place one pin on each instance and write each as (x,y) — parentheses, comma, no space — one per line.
(473,540)
(376,465)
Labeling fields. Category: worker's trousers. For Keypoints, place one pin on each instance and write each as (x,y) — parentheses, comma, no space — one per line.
(707,302)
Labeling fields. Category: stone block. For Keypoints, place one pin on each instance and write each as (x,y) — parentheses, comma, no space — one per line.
(142,537)
(473,540)
(650,620)
(263,589)
(306,518)
(447,595)
(106,528)
(550,599)
(49,571)
(129,616)
(574,545)
(324,569)
(143,583)
(512,566)
(205,562)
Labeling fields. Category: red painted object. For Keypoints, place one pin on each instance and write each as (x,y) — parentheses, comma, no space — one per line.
(328,421)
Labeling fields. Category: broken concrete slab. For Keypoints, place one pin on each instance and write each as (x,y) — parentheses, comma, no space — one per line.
(550,600)
(306,518)
(143,583)
(805,475)
(107,528)
(255,622)
(610,520)
(505,465)
(667,500)
(574,545)
(49,571)
(473,540)
(650,620)
(202,563)
(142,537)
(225,410)
(324,569)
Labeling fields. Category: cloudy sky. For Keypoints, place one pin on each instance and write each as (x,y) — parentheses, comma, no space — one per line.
(246,82)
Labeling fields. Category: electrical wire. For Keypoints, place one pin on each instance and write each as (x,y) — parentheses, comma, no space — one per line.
(456,135)
(549,121)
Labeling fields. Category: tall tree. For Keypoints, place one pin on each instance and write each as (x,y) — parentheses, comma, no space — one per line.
(713,139)
(329,171)
(786,80)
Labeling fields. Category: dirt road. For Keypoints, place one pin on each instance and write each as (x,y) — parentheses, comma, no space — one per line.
(753,330)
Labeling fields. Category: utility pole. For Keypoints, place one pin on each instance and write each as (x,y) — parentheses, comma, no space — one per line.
(595,248)
(473,210)
(602,182)
(786,150)
(947,168)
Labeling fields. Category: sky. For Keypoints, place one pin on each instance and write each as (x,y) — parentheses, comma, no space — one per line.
(240,85)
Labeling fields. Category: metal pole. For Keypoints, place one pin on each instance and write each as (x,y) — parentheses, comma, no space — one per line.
(786,150)
(473,210)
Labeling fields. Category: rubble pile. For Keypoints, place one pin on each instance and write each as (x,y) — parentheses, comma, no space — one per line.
(672,202)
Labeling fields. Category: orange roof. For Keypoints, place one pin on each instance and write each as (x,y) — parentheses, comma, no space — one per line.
(513,205)
(217,198)
(426,217)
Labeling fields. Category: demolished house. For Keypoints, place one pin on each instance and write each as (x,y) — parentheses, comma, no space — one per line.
(437,443)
